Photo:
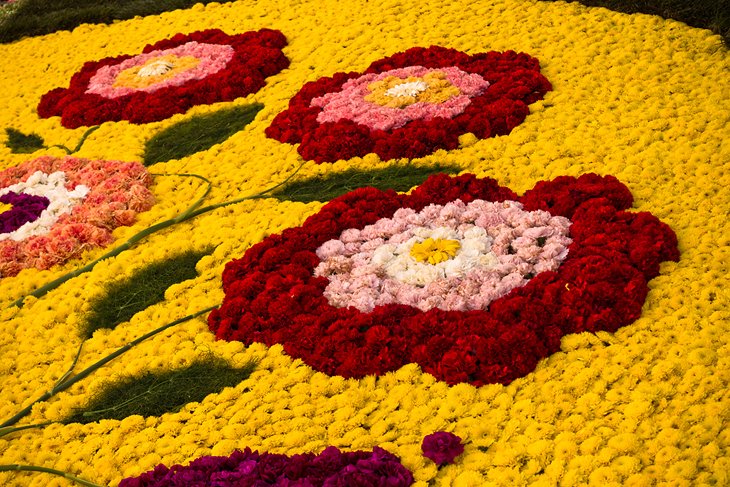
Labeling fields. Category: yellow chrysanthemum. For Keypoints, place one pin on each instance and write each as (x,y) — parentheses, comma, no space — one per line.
(396,92)
(154,71)
(435,251)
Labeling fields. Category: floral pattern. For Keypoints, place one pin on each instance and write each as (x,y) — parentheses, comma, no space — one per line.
(169,77)
(277,293)
(62,206)
(411,104)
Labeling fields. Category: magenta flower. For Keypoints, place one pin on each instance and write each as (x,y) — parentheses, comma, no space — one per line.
(442,447)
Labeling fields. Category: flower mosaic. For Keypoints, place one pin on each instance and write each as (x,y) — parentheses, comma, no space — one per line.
(411,104)
(169,77)
(59,207)
(503,278)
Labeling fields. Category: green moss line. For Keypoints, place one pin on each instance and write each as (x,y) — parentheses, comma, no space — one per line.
(20,143)
(156,393)
(147,287)
(198,133)
(399,178)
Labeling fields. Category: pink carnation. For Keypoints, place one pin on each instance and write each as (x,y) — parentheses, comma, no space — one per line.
(349,103)
(113,193)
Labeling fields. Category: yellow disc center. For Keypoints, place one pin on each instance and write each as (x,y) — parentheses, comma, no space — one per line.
(154,70)
(435,251)
(394,92)
(5,207)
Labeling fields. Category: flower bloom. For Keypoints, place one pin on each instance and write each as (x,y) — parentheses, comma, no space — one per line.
(442,447)
(58,207)
(169,77)
(350,293)
(331,468)
(411,104)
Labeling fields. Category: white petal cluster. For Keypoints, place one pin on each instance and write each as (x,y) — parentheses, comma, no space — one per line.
(61,202)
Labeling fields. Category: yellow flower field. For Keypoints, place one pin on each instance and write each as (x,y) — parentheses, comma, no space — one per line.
(637,97)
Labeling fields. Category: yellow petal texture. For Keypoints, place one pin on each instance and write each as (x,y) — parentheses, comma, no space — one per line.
(644,99)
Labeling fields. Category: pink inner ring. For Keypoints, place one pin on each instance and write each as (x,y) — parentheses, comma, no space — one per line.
(349,103)
(213,58)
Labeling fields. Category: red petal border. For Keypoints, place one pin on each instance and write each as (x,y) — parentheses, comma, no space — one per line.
(272,296)
(515,82)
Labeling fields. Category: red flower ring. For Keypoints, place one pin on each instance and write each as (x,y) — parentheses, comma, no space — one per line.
(169,77)
(273,295)
(62,206)
(411,104)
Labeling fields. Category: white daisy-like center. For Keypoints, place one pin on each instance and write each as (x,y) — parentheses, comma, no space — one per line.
(410,88)
(61,201)
(156,68)
(398,262)
(465,256)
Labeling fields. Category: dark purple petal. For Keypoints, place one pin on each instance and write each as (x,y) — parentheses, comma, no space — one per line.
(442,447)
(331,468)
(26,208)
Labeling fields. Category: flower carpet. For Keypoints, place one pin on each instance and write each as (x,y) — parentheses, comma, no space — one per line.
(475,243)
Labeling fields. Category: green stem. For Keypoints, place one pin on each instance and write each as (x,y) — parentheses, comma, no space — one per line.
(184,216)
(52,471)
(73,365)
(191,212)
(260,195)
(79,145)
(84,137)
(60,146)
(14,429)
(46,288)
(62,386)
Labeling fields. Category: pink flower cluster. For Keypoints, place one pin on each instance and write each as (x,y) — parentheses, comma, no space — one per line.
(501,247)
(213,58)
(349,103)
(117,192)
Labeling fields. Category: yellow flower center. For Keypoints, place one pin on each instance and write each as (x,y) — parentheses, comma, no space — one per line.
(154,71)
(5,207)
(396,92)
(435,251)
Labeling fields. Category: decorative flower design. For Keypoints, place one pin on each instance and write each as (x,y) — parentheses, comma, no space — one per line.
(273,295)
(58,207)
(411,104)
(331,468)
(442,447)
(169,77)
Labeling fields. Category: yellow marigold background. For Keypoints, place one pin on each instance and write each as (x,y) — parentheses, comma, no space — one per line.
(644,99)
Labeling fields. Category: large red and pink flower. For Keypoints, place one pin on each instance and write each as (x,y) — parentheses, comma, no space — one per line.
(462,276)
(59,207)
(411,104)
(169,77)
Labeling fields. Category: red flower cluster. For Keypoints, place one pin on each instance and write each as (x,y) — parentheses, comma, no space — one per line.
(257,56)
(515,81)
(272,296)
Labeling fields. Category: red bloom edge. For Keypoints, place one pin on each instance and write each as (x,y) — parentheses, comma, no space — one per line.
(257,55)
(272,296)
(515,82)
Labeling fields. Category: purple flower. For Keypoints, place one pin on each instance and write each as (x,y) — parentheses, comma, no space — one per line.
(331,468)
(442,447)
(26,208)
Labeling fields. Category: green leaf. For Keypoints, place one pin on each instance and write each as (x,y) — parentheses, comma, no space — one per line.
(156,393)
(20,143)
(399,178)
(123,299)
(198,133)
